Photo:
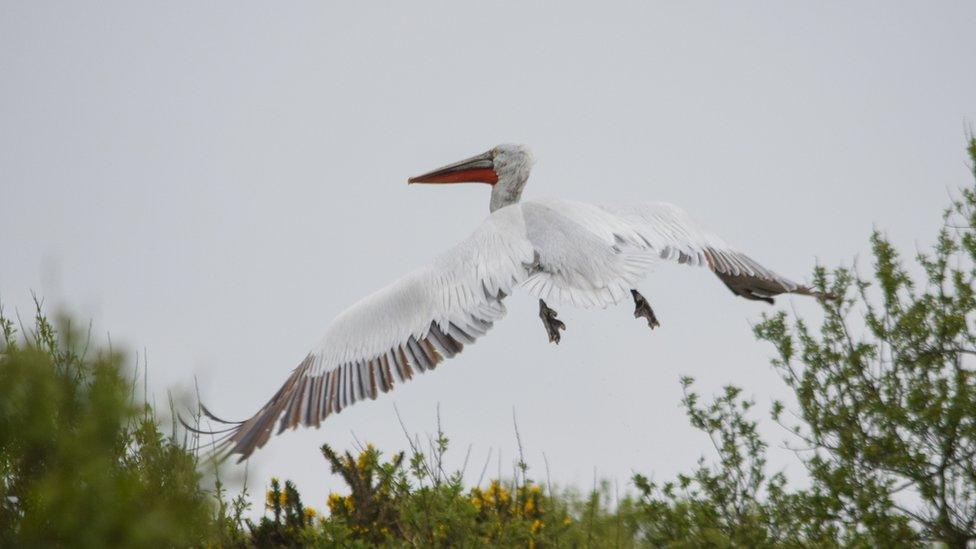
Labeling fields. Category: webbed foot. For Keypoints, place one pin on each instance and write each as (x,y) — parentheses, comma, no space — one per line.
(551,323)
(643,309)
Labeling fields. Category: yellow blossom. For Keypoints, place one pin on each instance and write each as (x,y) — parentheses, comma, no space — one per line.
(537,526)
(477,499)
(310,513)
(498,495)
(364,456)
(335,503)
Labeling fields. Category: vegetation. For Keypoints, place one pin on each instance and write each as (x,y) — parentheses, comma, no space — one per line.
(883,418)
(80,464)
(886,394)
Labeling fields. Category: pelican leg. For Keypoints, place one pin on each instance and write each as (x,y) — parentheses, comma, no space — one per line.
(549,320)
(643,309)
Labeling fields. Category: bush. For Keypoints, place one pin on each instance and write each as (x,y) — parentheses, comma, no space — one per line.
(80,463)
(886,388)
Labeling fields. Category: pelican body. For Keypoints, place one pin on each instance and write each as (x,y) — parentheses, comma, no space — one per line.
(561,251)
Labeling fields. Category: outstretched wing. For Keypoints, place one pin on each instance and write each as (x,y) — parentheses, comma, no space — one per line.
(404,329)
(674,235)
(612,246)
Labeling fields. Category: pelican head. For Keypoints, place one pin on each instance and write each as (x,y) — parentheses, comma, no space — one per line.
(505,167)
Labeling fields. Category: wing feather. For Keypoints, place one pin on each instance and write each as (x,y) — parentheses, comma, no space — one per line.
(591,256)
(410,326)
(674,235)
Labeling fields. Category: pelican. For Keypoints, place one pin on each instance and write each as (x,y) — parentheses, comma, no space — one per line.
(560,251)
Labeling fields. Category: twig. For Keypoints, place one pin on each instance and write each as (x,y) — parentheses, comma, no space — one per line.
(484,469)
(548,477)
(359,445)
(413,445)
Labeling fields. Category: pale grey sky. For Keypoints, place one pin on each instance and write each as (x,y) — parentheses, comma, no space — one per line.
(214,181)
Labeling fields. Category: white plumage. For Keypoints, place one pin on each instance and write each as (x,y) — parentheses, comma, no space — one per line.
(565,251)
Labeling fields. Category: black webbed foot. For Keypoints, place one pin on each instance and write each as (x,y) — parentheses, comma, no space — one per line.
(549,320)
(643,309)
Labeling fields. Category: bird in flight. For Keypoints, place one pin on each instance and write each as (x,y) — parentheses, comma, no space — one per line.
(561,251)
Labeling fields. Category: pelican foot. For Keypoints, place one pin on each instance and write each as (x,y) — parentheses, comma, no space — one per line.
(549,320)
(643,309)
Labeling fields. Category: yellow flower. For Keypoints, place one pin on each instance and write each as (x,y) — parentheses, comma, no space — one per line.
(477,499)
(537,526)
(269,499)
(365,457)
(498,495)
(567,521)
(529,506)
(310,513)
(335,503)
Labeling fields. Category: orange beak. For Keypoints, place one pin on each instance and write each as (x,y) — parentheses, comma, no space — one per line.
(477,169)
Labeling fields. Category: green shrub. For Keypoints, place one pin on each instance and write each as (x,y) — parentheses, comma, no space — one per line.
(80,463)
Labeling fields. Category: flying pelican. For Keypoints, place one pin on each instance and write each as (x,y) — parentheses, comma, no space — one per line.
(559,250)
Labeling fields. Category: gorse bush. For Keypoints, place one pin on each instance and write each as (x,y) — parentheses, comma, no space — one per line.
(883,420)
(371,508)
(393,503)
